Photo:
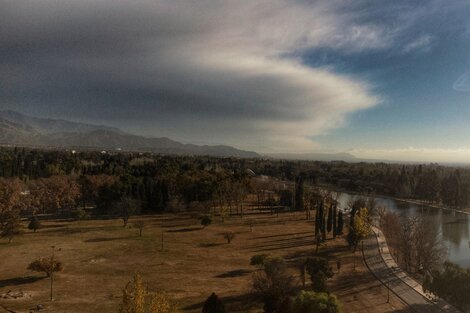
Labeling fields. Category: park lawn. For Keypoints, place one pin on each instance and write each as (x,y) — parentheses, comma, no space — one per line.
(101,256)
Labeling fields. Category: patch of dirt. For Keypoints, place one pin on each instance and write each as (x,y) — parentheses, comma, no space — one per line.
(14,295)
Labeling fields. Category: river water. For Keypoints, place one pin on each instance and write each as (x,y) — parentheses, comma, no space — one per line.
(453,226)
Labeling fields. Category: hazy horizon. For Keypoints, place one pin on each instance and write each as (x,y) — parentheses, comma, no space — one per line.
(379,80)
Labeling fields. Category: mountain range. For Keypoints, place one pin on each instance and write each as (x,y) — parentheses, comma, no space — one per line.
(22,130)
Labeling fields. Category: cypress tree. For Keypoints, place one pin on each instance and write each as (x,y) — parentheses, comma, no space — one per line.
(329,222)
(340,222)
(213,305)
(299,193)
(335,227)
(318,218)
(323,229)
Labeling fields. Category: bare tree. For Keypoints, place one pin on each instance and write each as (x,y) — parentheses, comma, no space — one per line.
(430,251)
(415,240)
(229,236)
(125,208)
(140,224)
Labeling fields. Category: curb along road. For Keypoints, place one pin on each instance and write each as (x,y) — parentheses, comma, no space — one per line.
(379,261)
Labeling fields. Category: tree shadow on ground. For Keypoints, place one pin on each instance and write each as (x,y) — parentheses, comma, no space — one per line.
(184,230)
(283,235)
(78,229)
(238,303)
(284,243)
(19,281)
(209,245)
(104,239)
(235,273)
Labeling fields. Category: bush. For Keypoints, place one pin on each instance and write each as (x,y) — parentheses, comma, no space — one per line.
(274,284)
(137,299)
(229,236)
(311,302)
(259,260)
(34,224)
(213,305)
(206,220)
(319,272)
(82,214)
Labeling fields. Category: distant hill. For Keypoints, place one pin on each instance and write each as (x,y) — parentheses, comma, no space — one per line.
(22,130)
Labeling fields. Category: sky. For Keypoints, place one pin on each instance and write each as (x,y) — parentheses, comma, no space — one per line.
(379,79)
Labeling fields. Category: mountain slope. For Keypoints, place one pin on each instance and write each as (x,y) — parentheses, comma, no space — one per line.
(19,129)
(50,126)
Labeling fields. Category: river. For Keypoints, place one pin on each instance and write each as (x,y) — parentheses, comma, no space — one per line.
(453,226)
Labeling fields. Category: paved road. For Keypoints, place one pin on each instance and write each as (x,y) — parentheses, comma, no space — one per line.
(384,268)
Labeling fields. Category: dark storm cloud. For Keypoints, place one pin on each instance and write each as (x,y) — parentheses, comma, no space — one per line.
(206,70)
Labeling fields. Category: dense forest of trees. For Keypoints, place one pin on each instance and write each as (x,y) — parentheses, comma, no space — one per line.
(64,179)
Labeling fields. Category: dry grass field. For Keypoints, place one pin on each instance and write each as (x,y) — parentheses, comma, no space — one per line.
(100,256)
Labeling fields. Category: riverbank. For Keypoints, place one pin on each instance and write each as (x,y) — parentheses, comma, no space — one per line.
(409,201)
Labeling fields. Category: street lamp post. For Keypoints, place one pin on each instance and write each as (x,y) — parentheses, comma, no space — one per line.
(388,292)
(52,270)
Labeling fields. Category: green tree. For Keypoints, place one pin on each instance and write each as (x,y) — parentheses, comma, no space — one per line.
(34,224)
(10,225)
(340,223)
(274,284)
(450,283)
(259,260)
(299,193)
(329,222)
(206,220)
(285,198)
(312,302)
(319,271)
(82,214)
(360,228)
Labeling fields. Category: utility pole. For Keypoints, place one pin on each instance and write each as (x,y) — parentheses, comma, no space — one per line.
(52,270)
(388,291)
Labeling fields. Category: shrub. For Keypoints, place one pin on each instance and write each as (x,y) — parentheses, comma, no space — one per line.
(82,214)
(34,224)
(259,260)
(274,284)
(311,302)
(229,236)
(319,272)
(206,220)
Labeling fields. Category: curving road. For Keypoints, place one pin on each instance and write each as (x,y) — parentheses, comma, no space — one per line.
(381,264)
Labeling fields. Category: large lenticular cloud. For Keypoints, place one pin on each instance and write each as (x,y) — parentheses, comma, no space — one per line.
(206,71)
